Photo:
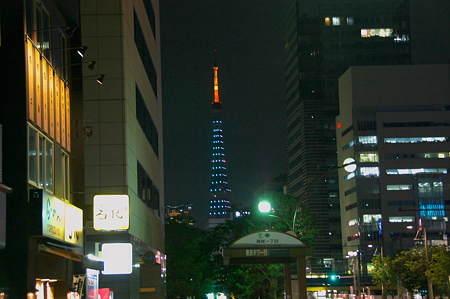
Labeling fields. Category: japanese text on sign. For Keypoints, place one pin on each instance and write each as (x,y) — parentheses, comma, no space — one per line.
(257,252)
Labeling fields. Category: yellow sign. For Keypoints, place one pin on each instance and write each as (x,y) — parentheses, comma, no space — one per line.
(52,216)
(61,220)
(111,212)
(73,229)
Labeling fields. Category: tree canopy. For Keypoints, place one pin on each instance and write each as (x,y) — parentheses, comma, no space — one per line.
(194,258)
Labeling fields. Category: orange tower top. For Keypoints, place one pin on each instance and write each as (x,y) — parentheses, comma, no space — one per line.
(216,82)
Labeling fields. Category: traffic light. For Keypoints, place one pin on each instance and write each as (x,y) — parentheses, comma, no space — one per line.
(334,277)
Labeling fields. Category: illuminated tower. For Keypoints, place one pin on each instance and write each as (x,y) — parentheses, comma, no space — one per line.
(219,206)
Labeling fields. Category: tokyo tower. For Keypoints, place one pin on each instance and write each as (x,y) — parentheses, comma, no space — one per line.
(219,206)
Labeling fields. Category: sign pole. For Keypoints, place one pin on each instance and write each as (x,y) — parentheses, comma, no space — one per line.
(301,276)
(287,280)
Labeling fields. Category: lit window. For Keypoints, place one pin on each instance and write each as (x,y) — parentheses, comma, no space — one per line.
(400,219)
(32,156)
(352,222)
(370,171)
(336,21)
(368,157)
(380,32)
(327,21)
(350,21)
(368,140)
(371,218)
(349,176)
(398,187)
(415,170)
(414,139)
(66,175)
(40,160)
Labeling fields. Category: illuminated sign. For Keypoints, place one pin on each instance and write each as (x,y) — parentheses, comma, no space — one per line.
(92,276)
(73,225)
(60,220)
(111,212)
(52,217)
(117,258)
(48,97)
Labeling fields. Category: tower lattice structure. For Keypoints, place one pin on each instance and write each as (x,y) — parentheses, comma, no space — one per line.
(219,207)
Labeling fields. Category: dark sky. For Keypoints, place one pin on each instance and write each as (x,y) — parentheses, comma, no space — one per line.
(248,38)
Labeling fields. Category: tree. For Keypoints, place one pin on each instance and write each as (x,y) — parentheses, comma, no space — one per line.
(439,270)
(414,264)
(291,214)
(385,274)
(262,280)
(186,259)
(194,258)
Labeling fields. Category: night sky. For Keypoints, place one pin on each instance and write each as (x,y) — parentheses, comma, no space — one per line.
(248,38)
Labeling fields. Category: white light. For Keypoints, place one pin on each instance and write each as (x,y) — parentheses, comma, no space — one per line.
(94,258)
(118,258)
(264,206)
(352,166)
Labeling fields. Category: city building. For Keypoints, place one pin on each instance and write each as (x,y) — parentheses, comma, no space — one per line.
(219,203)
(43,247)
(82,151)
(322,40)
(124,153)
(394,121)
(180,212)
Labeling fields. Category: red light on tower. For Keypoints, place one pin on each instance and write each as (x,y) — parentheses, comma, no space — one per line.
(339,125)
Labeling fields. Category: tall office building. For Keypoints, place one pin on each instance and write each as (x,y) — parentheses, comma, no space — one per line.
(322,39)
(124,155)
(219,204)
(394,121)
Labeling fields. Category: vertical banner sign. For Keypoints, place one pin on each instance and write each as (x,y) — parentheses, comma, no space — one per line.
(51,98)
(38,90)
(57,109)
(73,229)
(68,118)
(30,89)
(45,94)
(78,283)
(62,94)
(92,283)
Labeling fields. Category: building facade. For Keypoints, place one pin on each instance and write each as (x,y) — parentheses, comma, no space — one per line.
(52,111)
(44,230)
(322,39)
(124,154)
(219,203)
(394,121)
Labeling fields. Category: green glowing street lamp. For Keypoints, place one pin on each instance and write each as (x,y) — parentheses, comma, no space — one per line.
(264,207)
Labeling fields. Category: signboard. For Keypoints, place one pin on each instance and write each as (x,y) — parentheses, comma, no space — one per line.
(111,212)
(73,228)
(78,284)
(52,216)
(267,239)
(57,219)
(117,258)
(92,283)
(265,247)
(105,294)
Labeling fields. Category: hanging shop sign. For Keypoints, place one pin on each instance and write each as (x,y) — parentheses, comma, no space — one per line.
(59,219)
(111,212)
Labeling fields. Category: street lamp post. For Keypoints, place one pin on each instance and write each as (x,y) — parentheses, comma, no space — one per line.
(349,165)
